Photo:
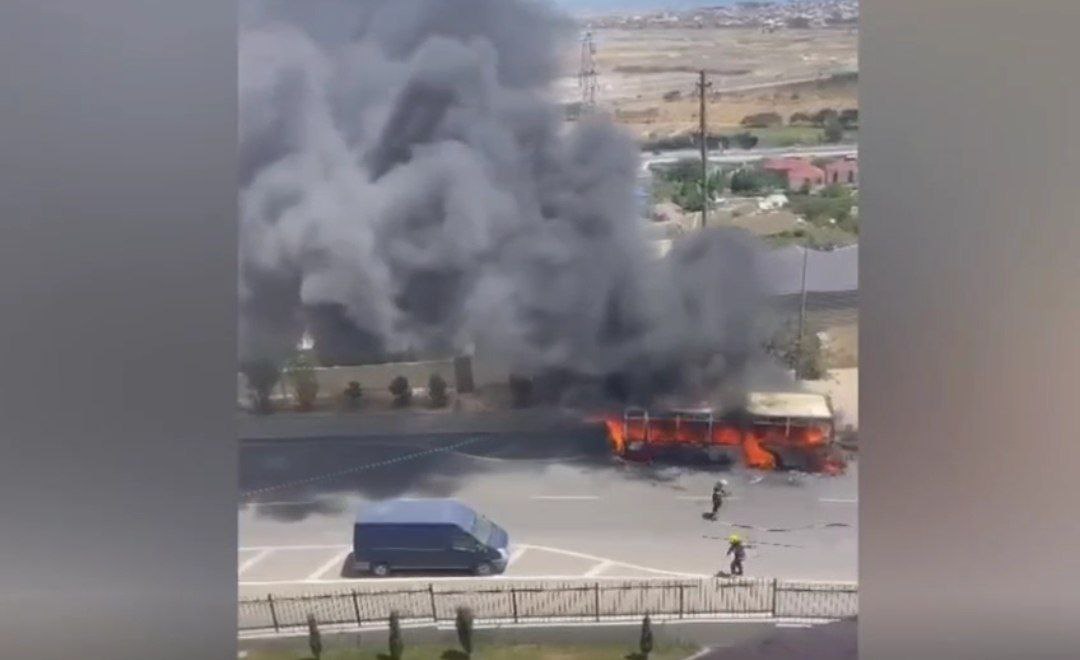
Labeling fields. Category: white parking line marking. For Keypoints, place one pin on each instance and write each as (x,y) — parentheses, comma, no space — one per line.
(828,500)
(598,569)
(338,546)
(251,561)
(564,497)
(453,578)
(582,555)
(692,498)
(330,563)
(516,555)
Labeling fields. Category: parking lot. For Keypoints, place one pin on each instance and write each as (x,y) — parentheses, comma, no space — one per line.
(568,513)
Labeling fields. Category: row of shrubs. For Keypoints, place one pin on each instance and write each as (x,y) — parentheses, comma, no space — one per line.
(464,624)
(847,119)
(306,387)
(437,391)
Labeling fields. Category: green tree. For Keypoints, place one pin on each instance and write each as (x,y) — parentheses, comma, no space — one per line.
(834,131)
(806,360)
(437,390)
(400,390)
(301,370)
(645,643)
(396,644)
(849,118)
(463,622)
(262,375)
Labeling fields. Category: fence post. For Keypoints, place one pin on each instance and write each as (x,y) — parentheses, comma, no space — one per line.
(273,613)
(773,606)
(596,589)
(513,602)
(682,589)
(434,610)
(356,607)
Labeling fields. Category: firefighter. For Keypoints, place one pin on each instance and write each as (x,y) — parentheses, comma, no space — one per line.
(718,493)
(737,552)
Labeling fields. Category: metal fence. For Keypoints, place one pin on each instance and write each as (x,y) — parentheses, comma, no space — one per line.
(554,601)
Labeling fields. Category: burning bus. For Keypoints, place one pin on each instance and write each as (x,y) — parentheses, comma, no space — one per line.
(771,431)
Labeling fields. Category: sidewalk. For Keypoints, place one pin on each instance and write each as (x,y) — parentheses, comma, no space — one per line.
(313,425)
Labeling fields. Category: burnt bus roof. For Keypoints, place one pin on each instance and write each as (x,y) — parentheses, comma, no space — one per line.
(768,405)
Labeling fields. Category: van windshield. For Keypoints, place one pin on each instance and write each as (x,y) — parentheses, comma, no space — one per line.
(482,529)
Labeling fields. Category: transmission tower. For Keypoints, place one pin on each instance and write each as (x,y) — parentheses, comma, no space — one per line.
(587,72)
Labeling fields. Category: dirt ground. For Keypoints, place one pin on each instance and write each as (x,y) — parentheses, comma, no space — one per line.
(637,68)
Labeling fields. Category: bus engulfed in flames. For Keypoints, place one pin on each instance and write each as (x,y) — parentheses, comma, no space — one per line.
(774,431)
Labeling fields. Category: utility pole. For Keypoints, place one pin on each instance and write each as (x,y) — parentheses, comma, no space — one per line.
(802,315)
(702,86)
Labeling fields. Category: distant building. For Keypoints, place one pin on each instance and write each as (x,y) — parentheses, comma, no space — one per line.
(843,171)
(798,172)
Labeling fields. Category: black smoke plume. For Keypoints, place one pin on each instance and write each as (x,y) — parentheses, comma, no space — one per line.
(408,188)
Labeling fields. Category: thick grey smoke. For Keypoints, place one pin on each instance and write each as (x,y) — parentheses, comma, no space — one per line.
(406,187)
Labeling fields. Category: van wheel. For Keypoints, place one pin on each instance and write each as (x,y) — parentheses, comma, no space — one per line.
(380,570)
(483,568)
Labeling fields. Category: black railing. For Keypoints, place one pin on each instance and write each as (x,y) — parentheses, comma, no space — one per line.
(574,600)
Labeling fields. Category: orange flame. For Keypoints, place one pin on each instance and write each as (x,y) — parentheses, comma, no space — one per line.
(755,455)
(755,443)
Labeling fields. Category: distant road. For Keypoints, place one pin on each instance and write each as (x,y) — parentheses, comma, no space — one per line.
(749,155)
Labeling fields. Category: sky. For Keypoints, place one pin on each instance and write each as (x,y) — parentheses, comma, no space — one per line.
(635,5)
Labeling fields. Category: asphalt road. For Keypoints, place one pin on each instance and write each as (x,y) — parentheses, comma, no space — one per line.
(571,510)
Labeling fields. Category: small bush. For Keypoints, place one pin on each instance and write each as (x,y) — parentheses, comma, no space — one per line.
(437,390)
(314,638)
(849,118)
(463,621)
(746,140)
(352,394)
(800,118)
(823,115)
(400,390)
(762,120)
(834,132)
(645,643)
(396,645)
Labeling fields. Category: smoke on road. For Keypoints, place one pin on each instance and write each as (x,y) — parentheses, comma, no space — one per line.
(408,187)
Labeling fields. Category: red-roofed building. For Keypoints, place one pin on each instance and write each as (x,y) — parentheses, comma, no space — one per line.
(798,172)
(843,171)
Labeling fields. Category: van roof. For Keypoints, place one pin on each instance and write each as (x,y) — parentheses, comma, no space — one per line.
(430,511)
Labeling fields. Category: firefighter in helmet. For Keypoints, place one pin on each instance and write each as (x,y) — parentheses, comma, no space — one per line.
(737,552)
(718,493)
